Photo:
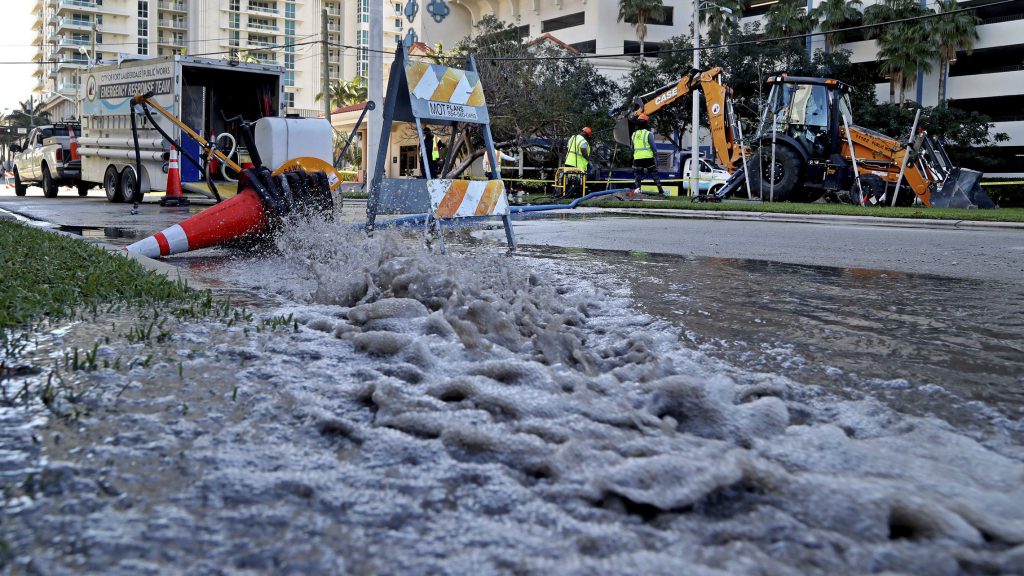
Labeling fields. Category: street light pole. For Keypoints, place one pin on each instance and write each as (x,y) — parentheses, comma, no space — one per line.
(695,125)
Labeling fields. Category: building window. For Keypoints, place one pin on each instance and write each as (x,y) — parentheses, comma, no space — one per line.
(289,99)
(588,47)
(143,9)
(289,10)
(143,28)
(364,11)
(143,47)
(633,47)
(567,21)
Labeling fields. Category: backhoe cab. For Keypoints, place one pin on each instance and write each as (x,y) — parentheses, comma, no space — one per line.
(808,146)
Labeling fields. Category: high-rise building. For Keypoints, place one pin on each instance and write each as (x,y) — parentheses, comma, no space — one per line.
(282,32)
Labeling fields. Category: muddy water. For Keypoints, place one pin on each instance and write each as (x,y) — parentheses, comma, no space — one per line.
(474,413)
(924,344)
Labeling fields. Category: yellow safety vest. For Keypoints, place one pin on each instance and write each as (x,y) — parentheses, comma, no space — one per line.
(642,144)
(435,154)
(575,157)
(487,161)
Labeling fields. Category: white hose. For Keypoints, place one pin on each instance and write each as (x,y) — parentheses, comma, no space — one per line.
(223,165)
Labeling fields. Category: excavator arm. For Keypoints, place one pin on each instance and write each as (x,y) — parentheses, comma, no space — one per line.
(717,97)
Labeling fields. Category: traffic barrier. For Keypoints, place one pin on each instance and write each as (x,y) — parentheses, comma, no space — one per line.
(263,201)
(173,196)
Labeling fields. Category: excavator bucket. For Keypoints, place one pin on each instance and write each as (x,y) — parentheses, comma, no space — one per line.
(961,190)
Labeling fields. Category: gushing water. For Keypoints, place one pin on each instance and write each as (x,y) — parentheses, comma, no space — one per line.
(475,413)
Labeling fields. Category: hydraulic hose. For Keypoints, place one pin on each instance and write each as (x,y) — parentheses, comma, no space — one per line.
(205,170)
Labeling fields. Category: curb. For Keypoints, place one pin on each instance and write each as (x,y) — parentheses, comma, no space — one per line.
(802,218)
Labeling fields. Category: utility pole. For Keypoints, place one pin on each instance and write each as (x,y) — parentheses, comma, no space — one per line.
(92,55)
(695,125)
(375,87)
(325,66)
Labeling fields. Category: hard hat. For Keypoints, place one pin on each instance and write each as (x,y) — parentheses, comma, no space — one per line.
(588,131)
(643,117)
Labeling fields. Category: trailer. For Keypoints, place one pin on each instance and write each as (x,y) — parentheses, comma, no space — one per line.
(205,94)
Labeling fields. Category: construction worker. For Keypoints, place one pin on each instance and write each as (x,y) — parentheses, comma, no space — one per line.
(433,146)
(496,175)
(578,157)
(643,155)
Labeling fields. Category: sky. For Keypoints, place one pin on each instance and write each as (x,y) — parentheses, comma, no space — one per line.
(16,21)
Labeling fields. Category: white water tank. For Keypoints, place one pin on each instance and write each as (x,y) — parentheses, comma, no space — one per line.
(281,139)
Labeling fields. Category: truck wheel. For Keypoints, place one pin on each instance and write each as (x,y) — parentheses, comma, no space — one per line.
(112,184)
(788,171)
(19,188)
(130,185)
(83,188)
(49,186)
(873,187)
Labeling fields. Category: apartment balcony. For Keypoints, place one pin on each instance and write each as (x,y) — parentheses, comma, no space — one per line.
(76,5)
(268,27)
(37,7)
(334,11)
(113,30)
(260,44)
(272,61)
(70,24)
(171,42)
(65,62)
(39,72)
(69,87)
(172,6)
(173,24)
(333,26)
(1002,83)
(262,9)
(72,43)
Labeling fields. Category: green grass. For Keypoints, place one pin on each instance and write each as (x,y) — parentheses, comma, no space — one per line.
(1000,215)
(50,276)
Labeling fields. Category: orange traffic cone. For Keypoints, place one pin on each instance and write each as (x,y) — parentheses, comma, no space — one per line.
(264,201)
(74,144)
(241,215)
(173,196)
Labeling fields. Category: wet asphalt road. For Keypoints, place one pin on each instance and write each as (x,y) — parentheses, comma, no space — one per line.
(972,252)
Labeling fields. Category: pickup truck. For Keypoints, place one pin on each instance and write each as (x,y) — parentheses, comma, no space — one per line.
(44,158)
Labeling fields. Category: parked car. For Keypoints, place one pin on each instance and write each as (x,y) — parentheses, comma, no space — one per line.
(44,158)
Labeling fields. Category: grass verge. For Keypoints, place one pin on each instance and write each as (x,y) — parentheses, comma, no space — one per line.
(1000,215)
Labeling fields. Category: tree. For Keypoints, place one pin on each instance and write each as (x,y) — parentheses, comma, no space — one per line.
(27,116)
(536,93)
(903,48)
(345,93)
(788,18)
(952,32)
(721,24)
(639,12)
(836,14)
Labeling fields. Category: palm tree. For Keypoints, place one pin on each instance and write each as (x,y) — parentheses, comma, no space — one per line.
(344,93)
(720,23)
(951,33)
(788,18)
(835,14)
(903,48)
(639,12)
(27,116)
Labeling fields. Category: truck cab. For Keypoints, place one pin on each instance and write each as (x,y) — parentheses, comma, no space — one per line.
(709,178)
(43,157)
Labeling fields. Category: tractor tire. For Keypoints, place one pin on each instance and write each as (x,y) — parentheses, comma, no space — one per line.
(49,186)
(83,188)
(112,184)
(19,188)
(789,173)
(873,187)
(130,185)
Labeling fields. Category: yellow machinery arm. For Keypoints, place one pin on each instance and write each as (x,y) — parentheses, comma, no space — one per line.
(718,98)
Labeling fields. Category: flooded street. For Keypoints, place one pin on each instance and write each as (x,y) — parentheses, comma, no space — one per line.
(561,411)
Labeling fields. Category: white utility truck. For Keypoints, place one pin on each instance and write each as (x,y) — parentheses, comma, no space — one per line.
(44,157)
(207,95)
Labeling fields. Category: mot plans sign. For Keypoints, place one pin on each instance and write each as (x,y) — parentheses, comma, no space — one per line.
(441,93)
